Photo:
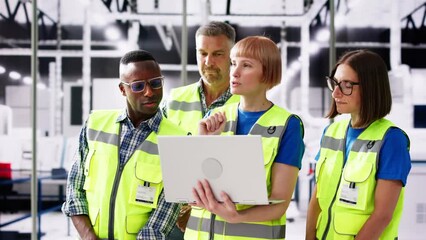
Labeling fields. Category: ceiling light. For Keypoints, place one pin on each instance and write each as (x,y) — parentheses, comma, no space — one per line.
(27,80)
(41,86)
(2,69)
(323,35)
(112,33)
(14,75)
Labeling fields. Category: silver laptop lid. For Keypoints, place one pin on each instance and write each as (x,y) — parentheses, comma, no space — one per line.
(233,164)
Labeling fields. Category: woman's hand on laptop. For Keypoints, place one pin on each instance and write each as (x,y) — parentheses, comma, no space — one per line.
(204,198)
(213,124)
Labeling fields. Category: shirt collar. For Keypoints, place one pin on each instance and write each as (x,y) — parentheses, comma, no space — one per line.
(122,116)
(225,95)
(221,100)
(153,123)
(200,86)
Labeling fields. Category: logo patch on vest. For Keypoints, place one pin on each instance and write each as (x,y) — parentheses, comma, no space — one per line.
(370,144)
(272,129)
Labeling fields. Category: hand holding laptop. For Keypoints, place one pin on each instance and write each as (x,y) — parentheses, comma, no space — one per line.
(204,198)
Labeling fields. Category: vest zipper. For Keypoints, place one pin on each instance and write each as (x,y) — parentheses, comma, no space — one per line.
(212,220)
(112,202)
(327,227)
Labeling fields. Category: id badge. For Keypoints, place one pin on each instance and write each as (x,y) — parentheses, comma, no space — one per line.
(349,194)
(145,194)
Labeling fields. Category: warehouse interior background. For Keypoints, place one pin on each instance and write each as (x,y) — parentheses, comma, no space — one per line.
(80,43)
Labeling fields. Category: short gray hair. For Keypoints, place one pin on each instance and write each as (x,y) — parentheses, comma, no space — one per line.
(216,28)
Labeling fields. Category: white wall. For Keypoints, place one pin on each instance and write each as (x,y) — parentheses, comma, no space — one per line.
(106,94)
(19,98)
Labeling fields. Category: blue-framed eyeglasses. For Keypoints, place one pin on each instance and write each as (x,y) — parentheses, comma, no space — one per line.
(345,86)
(139,86)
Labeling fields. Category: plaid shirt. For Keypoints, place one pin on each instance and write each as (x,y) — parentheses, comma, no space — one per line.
(162,219)
(220,101)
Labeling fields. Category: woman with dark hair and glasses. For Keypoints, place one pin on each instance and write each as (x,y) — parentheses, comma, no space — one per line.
(363,162)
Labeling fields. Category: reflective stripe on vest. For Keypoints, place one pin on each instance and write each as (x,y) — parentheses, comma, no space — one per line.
(111,190)
(109,138)
(185,106)
(185,109)
(267,132)
(271,126)
(239,229)
(343,215)
(358,146)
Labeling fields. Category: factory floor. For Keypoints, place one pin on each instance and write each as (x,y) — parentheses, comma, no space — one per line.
(55,226)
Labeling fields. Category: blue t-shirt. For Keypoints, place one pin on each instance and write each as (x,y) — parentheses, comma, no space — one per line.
(394,158)
(291,148)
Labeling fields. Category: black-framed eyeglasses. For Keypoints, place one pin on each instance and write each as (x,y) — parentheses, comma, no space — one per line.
(345,86)
(139,86)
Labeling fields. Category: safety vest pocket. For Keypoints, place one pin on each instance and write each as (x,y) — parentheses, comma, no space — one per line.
(94,218)
(319,220)
(355,190)
(146,185)
(269,155)
(318,167)
(148,172)
(88,161)
(348,224)
(327,172)
(355,172)
(135,222)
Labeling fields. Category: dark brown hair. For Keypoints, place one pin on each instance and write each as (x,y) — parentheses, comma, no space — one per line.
(375,93)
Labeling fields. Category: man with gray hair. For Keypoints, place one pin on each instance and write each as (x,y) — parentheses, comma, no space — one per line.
(187,105)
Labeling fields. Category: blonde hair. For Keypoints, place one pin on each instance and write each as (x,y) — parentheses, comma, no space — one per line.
(266,52)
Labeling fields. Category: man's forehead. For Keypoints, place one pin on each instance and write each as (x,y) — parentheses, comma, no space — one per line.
(217,42)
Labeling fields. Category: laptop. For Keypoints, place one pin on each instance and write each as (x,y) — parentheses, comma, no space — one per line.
(233,164)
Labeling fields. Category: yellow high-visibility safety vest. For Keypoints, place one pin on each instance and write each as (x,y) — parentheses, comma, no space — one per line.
(185,109)
(113,192)
(271,126)
(346,193)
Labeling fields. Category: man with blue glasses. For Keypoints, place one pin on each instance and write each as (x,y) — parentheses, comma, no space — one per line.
(115,188)
(139,86)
